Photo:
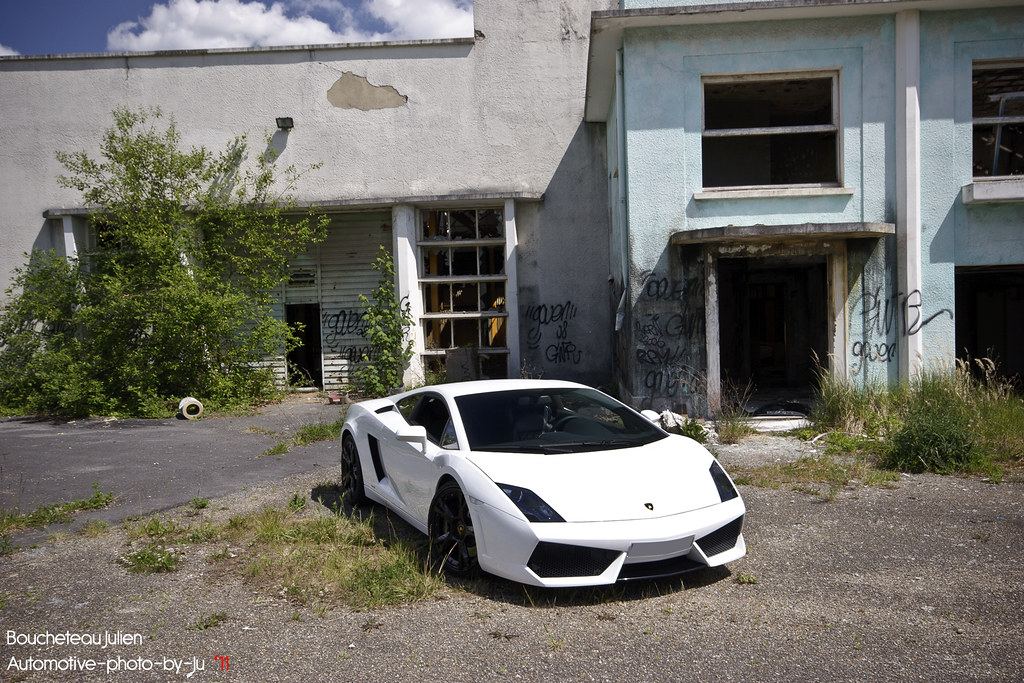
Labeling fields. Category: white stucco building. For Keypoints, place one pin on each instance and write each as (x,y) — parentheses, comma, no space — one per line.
(469,158)
(666,195)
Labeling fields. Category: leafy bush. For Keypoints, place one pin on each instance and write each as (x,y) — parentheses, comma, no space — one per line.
(387,323)
(176,297)
(934,438)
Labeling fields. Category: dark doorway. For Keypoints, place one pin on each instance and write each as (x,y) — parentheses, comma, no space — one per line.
(304,361)
(773,323)
(990,316)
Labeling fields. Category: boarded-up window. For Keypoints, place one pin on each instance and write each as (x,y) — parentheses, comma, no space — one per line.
(770,129)
(998,111)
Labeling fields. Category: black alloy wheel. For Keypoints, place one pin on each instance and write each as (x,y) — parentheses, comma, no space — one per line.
(452,539)
(352,490)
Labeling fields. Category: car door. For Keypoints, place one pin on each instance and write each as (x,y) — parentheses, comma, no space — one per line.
(410,466)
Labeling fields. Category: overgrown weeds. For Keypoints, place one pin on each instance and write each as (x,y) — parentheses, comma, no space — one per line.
(54,513)
(823,476)
(304,553)
(731,421)
(963,419)
(308,434)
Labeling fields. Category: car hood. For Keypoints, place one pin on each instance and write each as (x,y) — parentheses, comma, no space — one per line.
(663,478)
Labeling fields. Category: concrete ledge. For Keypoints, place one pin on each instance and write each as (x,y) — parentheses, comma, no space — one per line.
(776,233)
(994,191)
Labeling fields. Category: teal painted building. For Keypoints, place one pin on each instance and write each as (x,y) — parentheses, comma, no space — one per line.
(809,183)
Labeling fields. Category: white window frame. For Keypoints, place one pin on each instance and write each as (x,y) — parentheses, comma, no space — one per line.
(426,280)
(997,121)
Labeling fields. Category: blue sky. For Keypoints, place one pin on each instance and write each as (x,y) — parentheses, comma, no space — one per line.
(34,27)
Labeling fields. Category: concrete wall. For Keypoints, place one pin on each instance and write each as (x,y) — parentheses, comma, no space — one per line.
(497,115)
(663,142)
(886,314)
(953,233)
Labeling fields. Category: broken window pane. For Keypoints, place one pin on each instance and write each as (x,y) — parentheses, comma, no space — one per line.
(770,131)
(494,332)
(492,260)
(492,296)
(998,111)
(465,297)
(437,298)
(464,261)
(435,262)
(491,223)
(437,334)
(466,332)
(463,225)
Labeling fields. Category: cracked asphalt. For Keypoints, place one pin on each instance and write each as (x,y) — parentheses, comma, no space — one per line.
(921,581)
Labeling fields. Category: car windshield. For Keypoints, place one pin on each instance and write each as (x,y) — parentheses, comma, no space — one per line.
(551,420)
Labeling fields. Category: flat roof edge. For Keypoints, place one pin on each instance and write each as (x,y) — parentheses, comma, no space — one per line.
(199,52)
(337,205)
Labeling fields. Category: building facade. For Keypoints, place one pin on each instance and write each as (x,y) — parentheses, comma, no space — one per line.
(467,158)
(803,185)
(674,198)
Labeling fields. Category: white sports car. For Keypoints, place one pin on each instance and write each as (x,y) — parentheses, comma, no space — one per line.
(547,483)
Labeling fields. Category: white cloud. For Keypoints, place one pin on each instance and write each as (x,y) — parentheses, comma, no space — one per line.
(7,51)
(422,19)
(188,24)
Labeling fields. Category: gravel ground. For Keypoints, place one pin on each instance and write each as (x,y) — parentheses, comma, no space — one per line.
(922,581)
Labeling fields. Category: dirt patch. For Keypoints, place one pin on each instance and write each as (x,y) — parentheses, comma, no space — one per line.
(921,581)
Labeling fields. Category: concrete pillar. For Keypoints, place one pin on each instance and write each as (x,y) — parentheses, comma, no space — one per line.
(70,246)
(512,289)
(403,234)
(712,334)
(837,313)
(908,182)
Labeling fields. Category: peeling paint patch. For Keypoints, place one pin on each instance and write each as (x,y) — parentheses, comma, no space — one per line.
(356,92)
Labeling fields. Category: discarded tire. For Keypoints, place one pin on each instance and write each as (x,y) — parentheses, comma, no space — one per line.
(190,408)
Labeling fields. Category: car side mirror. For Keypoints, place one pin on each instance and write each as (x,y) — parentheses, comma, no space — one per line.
(416,434)
(652,416)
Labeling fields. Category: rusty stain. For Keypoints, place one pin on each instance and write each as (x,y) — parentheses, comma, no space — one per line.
(356,92)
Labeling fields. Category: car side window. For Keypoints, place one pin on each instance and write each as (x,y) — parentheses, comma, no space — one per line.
(432,413)
(406,406)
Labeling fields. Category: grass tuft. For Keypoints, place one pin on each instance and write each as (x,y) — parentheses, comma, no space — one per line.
(151,559)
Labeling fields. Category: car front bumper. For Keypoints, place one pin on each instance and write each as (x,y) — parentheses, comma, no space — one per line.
(597,553)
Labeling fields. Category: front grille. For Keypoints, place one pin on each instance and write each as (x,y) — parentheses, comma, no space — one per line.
(659,568)
(557,560)
(721,539)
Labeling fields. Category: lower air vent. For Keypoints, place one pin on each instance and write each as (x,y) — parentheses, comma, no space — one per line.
(721,539)
(556,560)
(658,569)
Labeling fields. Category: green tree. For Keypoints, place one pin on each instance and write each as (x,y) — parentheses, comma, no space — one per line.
(388,319)
(176,297)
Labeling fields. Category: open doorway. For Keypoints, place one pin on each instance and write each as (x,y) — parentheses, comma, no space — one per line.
(304,361)
(990,316)
(773,315)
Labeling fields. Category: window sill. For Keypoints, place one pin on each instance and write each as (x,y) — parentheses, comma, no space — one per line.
(994,191)
(762,192)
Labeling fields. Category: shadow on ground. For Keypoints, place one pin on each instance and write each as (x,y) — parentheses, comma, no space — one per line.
(390,529)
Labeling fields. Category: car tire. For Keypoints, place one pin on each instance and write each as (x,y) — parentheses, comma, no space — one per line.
(452,537)
(352,490)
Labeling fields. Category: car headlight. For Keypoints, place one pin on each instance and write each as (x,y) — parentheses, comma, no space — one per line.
(530,504)
(726,491)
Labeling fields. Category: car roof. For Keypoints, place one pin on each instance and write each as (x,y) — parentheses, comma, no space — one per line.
(486,386)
